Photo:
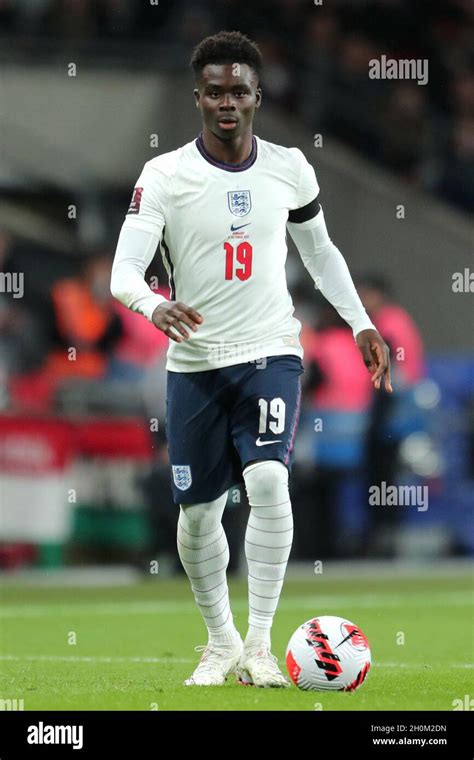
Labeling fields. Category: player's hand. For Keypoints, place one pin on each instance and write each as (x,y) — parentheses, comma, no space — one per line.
(376,355)
(173,315)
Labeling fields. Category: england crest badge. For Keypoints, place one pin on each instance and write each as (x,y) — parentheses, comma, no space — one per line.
(239,202)
(182,476)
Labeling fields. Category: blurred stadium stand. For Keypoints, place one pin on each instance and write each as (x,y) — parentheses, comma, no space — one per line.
(396,169)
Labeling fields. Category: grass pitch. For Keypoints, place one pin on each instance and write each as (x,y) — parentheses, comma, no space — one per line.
(130,648)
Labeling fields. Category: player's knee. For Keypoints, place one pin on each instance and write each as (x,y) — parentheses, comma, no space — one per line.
(208,513)
(266,483)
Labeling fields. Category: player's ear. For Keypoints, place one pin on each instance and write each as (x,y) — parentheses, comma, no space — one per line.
(258,97)
(196,96)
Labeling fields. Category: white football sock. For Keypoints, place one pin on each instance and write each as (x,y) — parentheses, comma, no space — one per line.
(204,554)
(267,544)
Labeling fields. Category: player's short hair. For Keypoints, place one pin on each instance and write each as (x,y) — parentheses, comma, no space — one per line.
(226,47)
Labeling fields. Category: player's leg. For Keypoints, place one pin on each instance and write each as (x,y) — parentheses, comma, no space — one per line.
(201,478)
(264,427)
(204,554)
(268,543)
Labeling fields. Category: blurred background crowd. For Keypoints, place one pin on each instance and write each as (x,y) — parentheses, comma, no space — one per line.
(317,68)
(84,472)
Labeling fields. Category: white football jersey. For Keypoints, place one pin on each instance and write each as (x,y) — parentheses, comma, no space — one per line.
(222,230)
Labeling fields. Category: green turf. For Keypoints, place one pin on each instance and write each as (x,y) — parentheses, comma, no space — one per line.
(157,619)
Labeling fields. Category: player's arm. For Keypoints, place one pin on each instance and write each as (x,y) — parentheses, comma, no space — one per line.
(331,276)
(136,248)
(134,254)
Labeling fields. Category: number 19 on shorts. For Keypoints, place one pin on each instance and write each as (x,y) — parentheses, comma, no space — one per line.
(272,415)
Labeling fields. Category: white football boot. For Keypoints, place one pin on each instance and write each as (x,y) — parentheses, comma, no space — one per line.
(259,667)
(217,662)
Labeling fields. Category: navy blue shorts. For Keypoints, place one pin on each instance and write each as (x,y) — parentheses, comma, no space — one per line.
(219,420)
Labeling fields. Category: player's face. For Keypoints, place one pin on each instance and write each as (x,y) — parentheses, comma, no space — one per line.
(227,98)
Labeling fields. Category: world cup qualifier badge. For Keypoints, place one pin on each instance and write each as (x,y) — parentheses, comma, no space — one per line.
(182,476)
(134,207)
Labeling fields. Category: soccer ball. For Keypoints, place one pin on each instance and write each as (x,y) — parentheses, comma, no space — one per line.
(328,653)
